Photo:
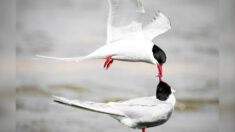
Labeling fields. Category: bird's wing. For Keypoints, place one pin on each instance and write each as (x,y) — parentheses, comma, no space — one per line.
(90,106)
(158,25)
(143,108)
(124,19)
(147,113)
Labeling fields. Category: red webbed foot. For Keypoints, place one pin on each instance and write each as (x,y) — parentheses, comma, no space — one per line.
(108,62)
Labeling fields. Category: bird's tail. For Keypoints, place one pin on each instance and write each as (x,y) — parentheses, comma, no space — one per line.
(75,59)
(90,106)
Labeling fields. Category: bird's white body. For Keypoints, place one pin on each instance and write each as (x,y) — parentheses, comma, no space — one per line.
(145,112)
(129,49)
(135,113)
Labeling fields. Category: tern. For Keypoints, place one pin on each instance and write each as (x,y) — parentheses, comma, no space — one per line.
(139,113)
(127,38)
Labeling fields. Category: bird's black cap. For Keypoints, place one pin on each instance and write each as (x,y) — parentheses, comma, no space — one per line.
(163,91)
(159,54)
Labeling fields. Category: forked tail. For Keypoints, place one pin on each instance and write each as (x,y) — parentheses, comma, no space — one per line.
(75,59)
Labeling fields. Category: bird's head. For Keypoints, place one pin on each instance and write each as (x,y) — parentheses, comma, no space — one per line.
(159,55)
(163,91)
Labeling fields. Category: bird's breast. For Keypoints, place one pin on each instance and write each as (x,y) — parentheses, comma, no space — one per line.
(156,121)
(133,54)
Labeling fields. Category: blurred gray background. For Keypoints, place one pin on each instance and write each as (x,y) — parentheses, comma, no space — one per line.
(227,64)
(7,66)
(69,28)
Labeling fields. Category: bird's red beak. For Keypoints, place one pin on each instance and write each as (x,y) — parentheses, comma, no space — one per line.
(159,71)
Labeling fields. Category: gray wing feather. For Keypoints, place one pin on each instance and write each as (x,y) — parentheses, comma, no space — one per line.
(90,106)
(124,19)
(159,25)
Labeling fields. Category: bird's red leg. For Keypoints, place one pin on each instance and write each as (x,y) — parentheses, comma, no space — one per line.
(109,64)
(107,61)
(143,129)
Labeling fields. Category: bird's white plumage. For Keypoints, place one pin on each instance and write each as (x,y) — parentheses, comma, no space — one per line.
(90,106)
(76,59)
(127,39)
(124,19)
(136,113)
(159,25)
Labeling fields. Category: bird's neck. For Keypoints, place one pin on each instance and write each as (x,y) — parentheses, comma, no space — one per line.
(153,60)
(171,99)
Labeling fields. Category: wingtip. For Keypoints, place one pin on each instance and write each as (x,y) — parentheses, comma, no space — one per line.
(140,7)
(158,13)
(161,16)
(60,100)
(55,98)
(42,57)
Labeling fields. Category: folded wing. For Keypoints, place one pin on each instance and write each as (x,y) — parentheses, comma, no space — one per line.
(124,19)
(90,106)
(144,109)
(159,25)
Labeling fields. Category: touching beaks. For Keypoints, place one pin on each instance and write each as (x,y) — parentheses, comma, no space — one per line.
(159,69)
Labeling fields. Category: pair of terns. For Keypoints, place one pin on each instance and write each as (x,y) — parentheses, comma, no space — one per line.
(129,40)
